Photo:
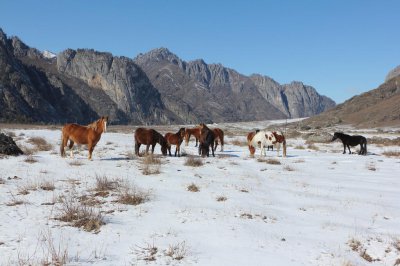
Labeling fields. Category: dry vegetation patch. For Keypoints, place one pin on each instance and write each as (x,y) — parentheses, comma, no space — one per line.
(131,195)
(269,161)
(80,215)
(192,161)
(151,165)
(76,163)
(193,188)
(221,198)
(40,143)
(30,159)
(391,153)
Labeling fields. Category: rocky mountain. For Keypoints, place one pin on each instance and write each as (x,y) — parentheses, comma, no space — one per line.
(375,108)
(393,73)
(154,88)
(214,92)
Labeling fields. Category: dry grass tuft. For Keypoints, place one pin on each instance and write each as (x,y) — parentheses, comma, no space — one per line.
(312,146)
(194,162)
(151,165)
(288,168)
(299,147)
(131,195)
(221,198)
(76,163)
(391,153)
(80,215)
(47,185)
(177,251)
(40,143)
(147,253)
(105,184)
(193,188)
(30,159)
(269,161)
(238,142)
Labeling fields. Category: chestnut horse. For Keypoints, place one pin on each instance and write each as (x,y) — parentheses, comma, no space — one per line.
(264,138)
(280,138)
(175,139)
(88,135)
(192,131)
(206,140)
(219,134)
(149,137)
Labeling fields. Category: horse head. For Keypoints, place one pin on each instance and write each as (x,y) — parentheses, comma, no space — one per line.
(104,121)
(182,132)
(335,136)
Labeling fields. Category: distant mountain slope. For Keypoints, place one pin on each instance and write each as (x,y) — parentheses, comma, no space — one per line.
(378,107)
(212,91)
(154,88)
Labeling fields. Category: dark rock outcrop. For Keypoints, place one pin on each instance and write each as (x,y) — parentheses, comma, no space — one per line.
(8,146)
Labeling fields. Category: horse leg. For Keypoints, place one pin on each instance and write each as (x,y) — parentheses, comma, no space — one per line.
(215,144)
(278,147)
(344,148)
(137,146)
(71,144)
(178,150)
(91,148)
(348,147)
(197,140)
(64,140)
(147,149)
(212,149)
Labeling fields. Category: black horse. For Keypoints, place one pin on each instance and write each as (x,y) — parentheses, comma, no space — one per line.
(351,141)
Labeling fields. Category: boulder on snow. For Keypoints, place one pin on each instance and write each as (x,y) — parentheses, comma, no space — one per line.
(8,146)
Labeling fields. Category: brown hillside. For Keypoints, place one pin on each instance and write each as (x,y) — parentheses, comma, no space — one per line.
(375,108)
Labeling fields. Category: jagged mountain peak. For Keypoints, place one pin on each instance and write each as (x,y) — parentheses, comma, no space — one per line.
(159,54)
(393,73)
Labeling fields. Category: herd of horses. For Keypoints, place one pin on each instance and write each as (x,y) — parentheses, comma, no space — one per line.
(206,139)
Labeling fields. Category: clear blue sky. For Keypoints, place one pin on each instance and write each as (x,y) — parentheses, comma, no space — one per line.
(342,48)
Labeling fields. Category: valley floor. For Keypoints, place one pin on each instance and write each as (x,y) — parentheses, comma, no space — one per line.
(317,206)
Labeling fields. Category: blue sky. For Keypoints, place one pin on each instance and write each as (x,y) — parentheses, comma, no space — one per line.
(342,48)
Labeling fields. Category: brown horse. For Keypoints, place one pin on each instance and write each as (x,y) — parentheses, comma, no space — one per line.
(175,139)
(149,137)
(88,135)
(206,140)
(192,131)
(280,138)
(219,134)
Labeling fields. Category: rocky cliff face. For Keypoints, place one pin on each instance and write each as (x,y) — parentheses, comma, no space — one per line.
(28,94)
(119,78)
(154,88)
(225,94)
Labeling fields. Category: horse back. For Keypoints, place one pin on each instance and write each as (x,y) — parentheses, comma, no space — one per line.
(144,136)
(77,133)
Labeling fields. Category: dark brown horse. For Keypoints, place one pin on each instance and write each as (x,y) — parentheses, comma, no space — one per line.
(192,131)
(88,135)
(149,137)
(175,139)
(206,140)
(219,134)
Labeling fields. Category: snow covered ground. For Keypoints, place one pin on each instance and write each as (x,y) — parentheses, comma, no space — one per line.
(315,207)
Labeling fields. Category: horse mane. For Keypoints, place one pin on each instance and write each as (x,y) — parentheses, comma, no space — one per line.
(93,125)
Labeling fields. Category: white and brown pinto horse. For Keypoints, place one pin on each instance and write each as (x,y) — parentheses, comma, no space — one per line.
(262,138)
(280,138)
(88,135)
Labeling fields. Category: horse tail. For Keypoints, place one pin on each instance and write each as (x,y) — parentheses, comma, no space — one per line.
(284,147)
(62,152)
(365,150)
(222,140)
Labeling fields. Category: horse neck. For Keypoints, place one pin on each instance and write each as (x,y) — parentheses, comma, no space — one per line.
(99,129)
